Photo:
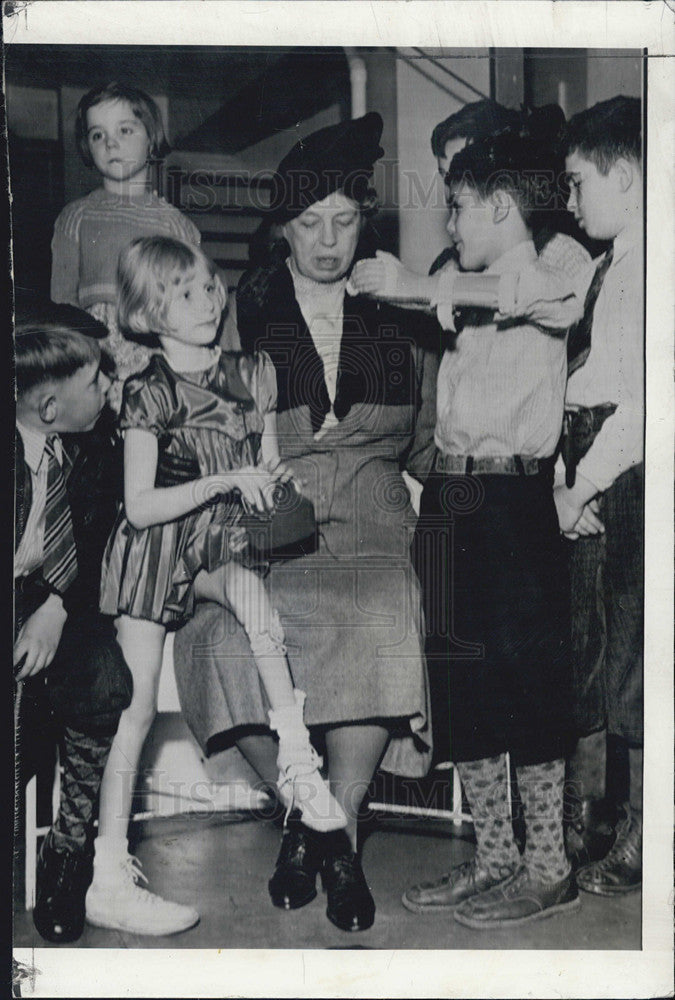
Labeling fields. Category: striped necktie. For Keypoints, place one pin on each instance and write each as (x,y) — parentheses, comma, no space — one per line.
(579,339)
(60,559)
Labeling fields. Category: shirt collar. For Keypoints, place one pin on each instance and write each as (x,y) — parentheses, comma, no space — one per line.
(312,291)
(34,445)
(514,258)
(628,238)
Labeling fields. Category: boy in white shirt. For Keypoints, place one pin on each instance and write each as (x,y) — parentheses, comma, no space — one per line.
(601,503)
(499,414)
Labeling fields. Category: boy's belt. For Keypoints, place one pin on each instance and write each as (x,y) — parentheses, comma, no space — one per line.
(506,465)
(581,426)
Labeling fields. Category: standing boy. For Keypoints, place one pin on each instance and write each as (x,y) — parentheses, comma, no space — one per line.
(69,671)
(499,412)
(601,503)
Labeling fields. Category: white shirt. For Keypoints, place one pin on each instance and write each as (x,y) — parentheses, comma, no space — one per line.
(501,391)
(614,369)
(30,553)
(322,308)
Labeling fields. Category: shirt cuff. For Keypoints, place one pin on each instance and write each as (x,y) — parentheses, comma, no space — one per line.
(442,300)
(506,293)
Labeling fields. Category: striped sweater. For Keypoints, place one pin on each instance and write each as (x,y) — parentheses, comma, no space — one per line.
(90,233)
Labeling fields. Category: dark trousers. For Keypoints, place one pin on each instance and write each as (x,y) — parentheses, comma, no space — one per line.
(76,702)
(488,554)
(607,588)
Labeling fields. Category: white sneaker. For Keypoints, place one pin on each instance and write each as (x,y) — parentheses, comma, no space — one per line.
(301,785)
(120,903)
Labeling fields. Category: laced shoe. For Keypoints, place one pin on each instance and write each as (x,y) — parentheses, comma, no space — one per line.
(519,900)
(293,883)
(350,905)
(62,880)
(301,784)
(116,900)
(621,870)
(462,882)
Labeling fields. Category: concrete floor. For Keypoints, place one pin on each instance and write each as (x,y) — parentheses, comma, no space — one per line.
(220,864)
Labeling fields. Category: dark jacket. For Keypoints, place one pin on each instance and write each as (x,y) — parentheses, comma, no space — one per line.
(381,347)
(93,474)
(88,683)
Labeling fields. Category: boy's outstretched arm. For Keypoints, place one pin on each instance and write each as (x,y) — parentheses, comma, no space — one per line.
(541,293)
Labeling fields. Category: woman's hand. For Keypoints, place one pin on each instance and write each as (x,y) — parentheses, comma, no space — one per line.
(385,277)
(283,473)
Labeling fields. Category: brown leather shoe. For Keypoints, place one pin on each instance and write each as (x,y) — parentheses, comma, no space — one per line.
(463,882)
(621,870)
(519,900)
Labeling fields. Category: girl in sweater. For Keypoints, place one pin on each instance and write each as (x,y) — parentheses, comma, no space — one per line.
(119,132)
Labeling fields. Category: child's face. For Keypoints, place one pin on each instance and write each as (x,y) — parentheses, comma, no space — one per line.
(117,140)
(195,307)
(595,198)
(79,399)
(471,228)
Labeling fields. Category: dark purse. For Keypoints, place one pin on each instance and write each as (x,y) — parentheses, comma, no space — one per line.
(287,532)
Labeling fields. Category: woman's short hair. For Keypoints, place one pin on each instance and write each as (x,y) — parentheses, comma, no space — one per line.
(49,351)
(143,107)
(148,268)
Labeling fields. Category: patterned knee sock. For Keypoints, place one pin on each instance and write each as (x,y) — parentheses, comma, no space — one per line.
(486,788)
(541,792)
(83,758)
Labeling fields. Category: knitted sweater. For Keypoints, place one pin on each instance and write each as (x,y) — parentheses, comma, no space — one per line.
(90,233)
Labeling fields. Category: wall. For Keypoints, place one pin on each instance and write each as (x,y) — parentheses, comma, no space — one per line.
(422,103)
(578,78)
(611,72)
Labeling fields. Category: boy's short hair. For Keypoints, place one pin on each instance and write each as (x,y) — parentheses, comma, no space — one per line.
(473,122)
(50,352)
(607,131)
(147,269)
(520,164)
(143,107)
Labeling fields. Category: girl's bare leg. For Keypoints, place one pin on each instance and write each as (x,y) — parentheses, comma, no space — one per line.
(116,898)
(142,644)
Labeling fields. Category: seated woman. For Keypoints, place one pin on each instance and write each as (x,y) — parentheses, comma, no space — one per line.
(351,414)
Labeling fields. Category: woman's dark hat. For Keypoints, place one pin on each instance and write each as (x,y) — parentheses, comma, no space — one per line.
(337,157)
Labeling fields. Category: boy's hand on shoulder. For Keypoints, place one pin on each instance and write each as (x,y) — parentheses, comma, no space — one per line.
(39,638)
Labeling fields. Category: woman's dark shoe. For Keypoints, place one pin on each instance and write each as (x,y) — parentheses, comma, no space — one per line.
(350,904)
(62,881)
(294,881)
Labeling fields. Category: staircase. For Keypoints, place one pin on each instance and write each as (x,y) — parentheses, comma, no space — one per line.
(226,206)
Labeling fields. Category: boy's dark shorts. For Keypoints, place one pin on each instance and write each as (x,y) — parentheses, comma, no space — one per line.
(496,598)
